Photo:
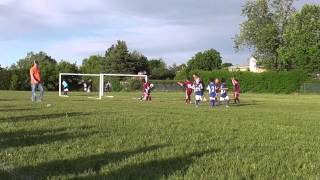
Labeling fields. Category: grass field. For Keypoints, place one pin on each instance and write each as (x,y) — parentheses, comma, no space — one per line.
(265,137)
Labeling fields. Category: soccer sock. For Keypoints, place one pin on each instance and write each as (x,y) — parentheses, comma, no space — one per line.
(212,103)
(197,102)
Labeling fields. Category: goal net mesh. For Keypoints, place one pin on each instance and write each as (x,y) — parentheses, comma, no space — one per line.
(98,85)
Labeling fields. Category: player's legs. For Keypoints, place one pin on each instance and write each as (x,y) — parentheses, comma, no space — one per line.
(198,99)
(212,101)
(145,96)
(186,98)
(218,99)
(238,97)
(40,87)
(226,101)
(189,98)
(33,92)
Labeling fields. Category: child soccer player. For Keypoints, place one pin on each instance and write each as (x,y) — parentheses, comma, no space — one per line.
(146,90)
(223,93)
(188,90)
(236,90)
(197,86)
(65,87)
(212,92)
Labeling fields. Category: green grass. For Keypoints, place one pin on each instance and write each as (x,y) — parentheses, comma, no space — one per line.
(266,137)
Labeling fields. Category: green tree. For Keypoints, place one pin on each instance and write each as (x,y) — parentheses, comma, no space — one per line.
(92,65)
(5,77)
(157,69)
(263,29)
(226,65)
(208,60)
(67,67)
(140,62)
(48,67)
(118,60)
(14,80)
(302,40)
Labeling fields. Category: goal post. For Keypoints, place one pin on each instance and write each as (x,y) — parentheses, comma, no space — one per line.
(76,74)
(101,77)
(101,94)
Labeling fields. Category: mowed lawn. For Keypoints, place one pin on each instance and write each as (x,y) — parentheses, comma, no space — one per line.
(265,137)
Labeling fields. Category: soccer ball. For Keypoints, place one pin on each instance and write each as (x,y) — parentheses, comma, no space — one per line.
(151,85)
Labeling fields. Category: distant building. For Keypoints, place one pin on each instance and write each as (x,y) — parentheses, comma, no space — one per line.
(252,67)
(238,68)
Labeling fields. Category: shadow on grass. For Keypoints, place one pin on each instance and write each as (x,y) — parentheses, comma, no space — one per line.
(156,169)
(5,175)
(11,110)
(42,117)
(35,137)
(80,165)
(7,100)
(253,103)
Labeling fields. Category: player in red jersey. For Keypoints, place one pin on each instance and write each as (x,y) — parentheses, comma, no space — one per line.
(146,87)
(236,90)
(188,90)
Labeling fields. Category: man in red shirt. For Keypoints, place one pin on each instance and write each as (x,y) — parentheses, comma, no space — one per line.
(35,78)
(188,90)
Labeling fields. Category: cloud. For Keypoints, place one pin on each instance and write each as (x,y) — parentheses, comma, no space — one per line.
(74,29)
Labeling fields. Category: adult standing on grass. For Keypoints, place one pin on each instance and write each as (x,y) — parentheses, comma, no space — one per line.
(36,82)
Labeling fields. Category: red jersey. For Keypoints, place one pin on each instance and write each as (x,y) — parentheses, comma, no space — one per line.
(146,87)
(188,87)
(236,87)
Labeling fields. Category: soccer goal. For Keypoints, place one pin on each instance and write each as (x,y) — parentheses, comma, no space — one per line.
(95,85)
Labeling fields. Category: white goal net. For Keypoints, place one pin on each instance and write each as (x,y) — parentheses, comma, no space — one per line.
(95,85)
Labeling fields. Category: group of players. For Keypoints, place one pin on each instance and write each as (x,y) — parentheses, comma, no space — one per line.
(217,91)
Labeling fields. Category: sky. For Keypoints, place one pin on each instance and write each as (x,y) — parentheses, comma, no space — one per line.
(72,30)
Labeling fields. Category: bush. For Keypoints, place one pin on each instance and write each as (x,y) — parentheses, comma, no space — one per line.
(116,85)
(134,84)
(267,82)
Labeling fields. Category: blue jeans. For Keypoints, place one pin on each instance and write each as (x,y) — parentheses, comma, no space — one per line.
(34,95)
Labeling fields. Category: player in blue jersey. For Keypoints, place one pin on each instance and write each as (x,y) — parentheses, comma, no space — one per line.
(224,93)
(197,87)
(212,92)
(65,87)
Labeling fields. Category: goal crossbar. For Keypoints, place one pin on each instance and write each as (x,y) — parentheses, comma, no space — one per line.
(101,79)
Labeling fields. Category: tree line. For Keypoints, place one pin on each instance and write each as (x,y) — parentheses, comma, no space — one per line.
(280,37)
(117,59)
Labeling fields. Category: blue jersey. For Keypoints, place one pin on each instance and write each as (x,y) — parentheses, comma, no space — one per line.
(64,84)
(212,89)
(197,89)
(223,91)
